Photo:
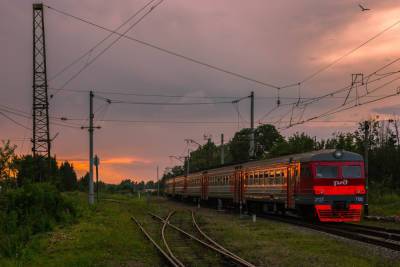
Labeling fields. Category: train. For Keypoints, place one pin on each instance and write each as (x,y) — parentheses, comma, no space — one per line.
(326,185)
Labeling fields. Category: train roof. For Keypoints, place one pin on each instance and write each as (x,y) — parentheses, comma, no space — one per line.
(318,155)
(327,155)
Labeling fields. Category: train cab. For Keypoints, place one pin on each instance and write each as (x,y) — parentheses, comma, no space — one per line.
(337,182)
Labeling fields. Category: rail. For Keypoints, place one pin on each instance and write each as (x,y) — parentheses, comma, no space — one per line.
(220,251)
(364,236)
(160,250)
(215,243)
(177,261)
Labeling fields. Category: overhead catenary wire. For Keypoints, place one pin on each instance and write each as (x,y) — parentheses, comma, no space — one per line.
(119,101)
(14,121)
(307,78)
(106,48)
(340,109)
(167,51)
(88,53)
(318,71)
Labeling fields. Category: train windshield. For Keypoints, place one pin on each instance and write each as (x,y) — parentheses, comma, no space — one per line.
(351,171)
(327,172)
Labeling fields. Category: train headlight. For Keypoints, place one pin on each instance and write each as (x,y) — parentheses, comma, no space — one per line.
(338,153)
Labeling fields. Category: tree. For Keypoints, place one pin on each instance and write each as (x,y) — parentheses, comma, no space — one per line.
(297,143)
(68,180)
(239,145)
(266,137)
(7,166)
(35,169)
(83,182)
(205,157)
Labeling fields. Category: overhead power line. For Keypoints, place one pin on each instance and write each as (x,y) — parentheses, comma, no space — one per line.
(88,52)
(314,74)
(88,63)
(170,52)
(112,101)
(222,69)
(14,121)
(337,110)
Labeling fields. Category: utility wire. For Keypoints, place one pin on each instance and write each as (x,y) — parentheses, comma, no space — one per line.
(311,76)
(87,53)
(111,101)
(14,121)
(341,108)
(224,70)
(170,52)
(106,48)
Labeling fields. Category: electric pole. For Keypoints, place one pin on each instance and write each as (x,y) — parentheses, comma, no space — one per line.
(91,159)
(252,146)
(366,148)
(96,163)
(91,130)
(187,161)
(158,184)
(40,112)
(222,150)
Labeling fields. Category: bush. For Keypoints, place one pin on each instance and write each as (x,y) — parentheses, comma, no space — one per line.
(31,209)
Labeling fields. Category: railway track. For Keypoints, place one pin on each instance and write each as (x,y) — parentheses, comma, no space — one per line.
(171,254)
(169,260)
(387,238)
(210,244)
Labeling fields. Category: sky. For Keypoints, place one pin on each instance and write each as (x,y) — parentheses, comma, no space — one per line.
(275,42)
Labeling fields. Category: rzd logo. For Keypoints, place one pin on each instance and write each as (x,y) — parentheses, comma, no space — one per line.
(344,182)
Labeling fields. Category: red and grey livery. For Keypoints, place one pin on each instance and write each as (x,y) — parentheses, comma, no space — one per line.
(327,184)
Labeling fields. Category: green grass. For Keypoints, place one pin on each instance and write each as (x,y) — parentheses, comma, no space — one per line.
(105,236)
(384,205)
(274,244)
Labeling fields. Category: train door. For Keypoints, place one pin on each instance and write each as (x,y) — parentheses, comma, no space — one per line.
(238,186)
(292,173)
(204,186)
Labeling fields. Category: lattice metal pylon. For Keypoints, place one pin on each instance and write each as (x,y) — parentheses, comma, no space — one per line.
(41,134)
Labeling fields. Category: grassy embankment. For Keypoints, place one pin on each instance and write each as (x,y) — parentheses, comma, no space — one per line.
(385,204)
(105,236)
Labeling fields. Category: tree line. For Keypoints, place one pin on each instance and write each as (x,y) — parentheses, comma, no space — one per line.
(381,138)
(18,171)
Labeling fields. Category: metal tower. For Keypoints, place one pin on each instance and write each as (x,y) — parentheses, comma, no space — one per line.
(41,135)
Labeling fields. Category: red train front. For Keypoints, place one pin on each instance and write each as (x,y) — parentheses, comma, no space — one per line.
(334,184)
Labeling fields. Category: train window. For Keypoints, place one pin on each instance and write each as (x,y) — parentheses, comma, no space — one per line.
(351,171)
(327,171)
